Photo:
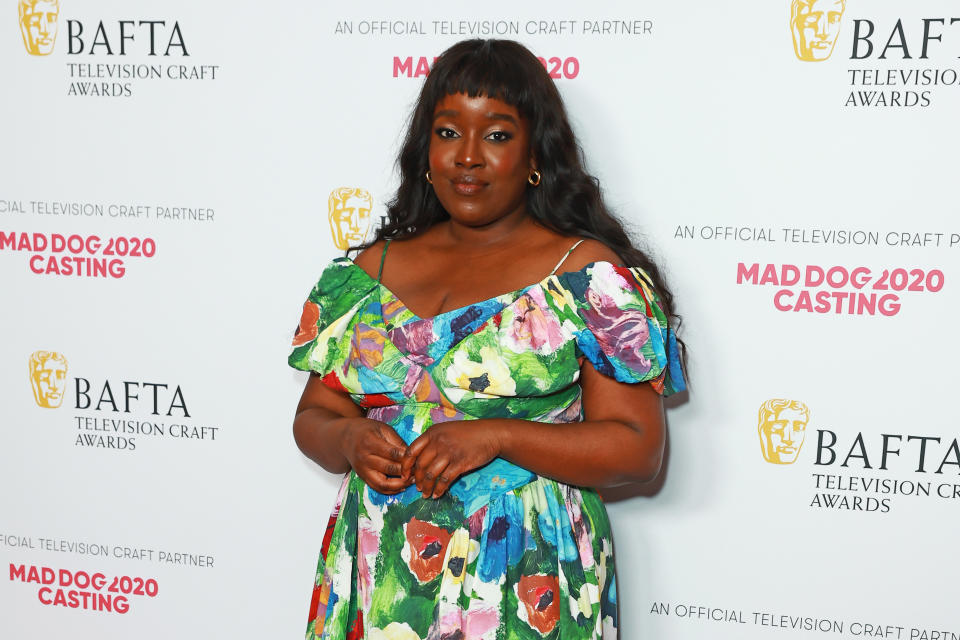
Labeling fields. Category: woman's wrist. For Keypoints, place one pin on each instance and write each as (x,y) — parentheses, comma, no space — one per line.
(502,437)
(323,436)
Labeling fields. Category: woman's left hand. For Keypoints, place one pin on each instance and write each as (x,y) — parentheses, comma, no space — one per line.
(446,451)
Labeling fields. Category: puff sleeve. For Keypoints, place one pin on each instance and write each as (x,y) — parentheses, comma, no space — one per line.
(327,312)
(621,329)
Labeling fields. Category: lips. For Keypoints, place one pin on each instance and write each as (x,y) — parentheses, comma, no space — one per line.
(467,185)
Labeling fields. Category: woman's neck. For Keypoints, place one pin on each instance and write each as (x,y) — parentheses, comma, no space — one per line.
(508,231)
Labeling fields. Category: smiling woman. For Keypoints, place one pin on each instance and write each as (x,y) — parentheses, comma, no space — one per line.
(480,159)
(477,371)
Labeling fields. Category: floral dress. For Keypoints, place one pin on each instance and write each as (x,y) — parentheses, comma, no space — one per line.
(505,554)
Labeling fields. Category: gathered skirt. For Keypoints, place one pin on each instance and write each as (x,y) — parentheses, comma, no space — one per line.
(534,562)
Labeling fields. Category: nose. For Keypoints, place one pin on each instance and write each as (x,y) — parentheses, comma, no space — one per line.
(469,153)
(788,436)
(822,26)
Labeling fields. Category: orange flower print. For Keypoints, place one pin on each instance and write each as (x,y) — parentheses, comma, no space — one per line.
(428,546)
(307,330)
(540,596)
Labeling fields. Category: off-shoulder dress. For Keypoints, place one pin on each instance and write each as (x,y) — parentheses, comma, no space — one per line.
(505,554)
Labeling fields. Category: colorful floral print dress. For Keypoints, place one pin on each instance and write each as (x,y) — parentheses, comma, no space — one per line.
(505,554)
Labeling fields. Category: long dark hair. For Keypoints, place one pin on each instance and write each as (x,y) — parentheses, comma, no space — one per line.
(568,199)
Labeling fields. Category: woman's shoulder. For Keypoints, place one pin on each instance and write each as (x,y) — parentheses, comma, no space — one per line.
(619,322)
(593,271)
(342,280)
(585,252)
(369,258)
(402,253)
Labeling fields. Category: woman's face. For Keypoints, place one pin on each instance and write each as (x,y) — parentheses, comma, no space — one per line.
(479,159)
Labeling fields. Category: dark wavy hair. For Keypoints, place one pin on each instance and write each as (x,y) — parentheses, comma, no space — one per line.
(568,199)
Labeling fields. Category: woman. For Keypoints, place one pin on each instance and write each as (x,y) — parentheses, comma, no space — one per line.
(470,421)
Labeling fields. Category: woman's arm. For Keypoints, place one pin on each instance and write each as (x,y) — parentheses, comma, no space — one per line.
(621,440)
(332,431)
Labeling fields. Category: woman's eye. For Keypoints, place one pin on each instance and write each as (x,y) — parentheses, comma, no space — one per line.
(500,136)
(444,132)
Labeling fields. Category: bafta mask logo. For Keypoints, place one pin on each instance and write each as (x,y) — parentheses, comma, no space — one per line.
(349,212)
(38,25)
(48,378)
(815,25)
(782,427)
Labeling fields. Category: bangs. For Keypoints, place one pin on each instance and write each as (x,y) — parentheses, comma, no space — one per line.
(499,71)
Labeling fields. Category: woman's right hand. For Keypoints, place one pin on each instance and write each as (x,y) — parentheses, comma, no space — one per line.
(375,453)
(332,431)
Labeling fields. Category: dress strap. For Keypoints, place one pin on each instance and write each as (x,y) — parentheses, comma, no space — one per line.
(563,259)
(383,259)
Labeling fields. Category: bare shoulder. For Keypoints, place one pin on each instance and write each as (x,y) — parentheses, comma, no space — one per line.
(587,252)
(369,258)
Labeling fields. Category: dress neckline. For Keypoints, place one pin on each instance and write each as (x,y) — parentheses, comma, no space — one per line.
(514,295)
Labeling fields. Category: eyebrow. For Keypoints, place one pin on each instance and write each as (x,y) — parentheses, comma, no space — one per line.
(450,113)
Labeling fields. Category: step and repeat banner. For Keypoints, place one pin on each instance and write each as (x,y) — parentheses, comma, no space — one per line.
(174,176)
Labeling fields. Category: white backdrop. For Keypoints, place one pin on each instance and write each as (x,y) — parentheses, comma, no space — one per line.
(711,138)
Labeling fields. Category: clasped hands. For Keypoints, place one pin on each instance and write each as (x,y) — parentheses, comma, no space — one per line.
(433,461)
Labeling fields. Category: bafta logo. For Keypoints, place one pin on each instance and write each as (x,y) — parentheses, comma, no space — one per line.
(815,25)
(349,213)
(782,427)
(48,378)
(38,25)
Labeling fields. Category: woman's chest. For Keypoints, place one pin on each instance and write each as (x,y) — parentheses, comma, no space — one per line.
(502,347)
(435,282)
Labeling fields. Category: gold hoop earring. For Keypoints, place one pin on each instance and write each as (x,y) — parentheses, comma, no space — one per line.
(534,177)
(427,176)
